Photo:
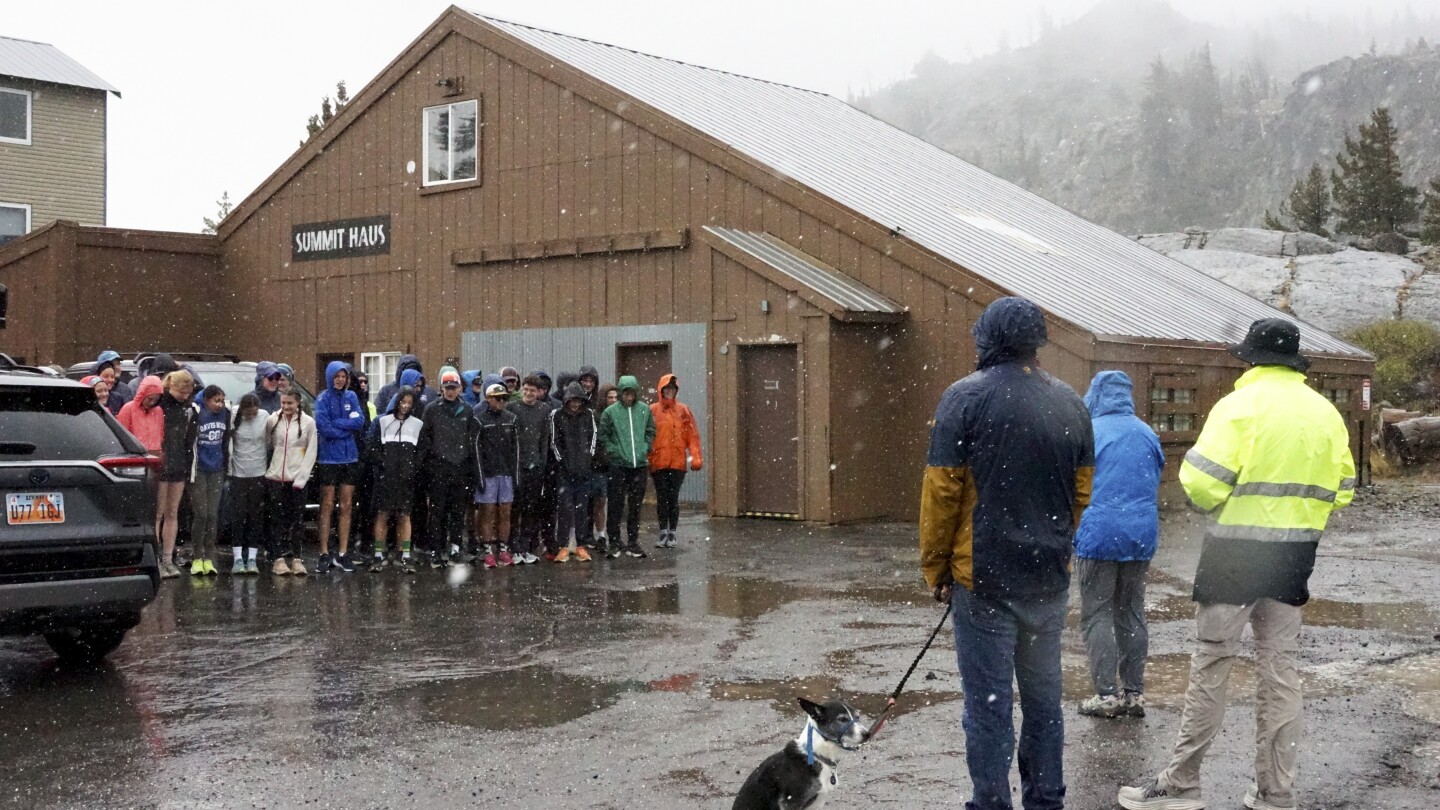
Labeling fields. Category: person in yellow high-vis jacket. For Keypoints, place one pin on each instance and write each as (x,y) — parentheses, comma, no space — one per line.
(1271,464)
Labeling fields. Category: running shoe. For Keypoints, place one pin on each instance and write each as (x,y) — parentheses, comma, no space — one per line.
(406,565)
(280,568)
(343,563)
(529,559)
(251,567)
(489,559)
(297,567)
(505,558)
(1154,797)
(238,567)
(634,550)
(563,555)
(1254,801)
(379,563)
(1102,706)
(169,570)
(197,568)
(210,567)
(322,566)
(1134,704)
(582,554)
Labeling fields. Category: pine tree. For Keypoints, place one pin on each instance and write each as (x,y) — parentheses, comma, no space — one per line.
(1308,207)
(1157,135)
(223,208)
(1430,225)
(1200,93)
(1370,195)
(328,110)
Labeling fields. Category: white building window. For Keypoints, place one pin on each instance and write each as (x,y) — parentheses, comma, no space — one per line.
(14,116)
(14,221)
(451,136)
(379,368)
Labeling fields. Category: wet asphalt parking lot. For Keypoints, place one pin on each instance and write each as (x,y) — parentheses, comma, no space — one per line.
(662,682)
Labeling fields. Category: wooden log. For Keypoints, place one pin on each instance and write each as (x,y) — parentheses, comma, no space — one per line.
(1390,416)
(1413,441)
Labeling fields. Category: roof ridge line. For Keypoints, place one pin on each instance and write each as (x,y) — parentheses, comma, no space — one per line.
(31,41)
(493,19)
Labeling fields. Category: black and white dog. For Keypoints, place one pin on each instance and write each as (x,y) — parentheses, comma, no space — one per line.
(801,774)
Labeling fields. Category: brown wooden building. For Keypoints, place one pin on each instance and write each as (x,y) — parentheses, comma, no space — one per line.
(500,193)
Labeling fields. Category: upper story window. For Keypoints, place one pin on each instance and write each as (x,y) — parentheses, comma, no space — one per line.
(14,116)
(14,221)
(451,142)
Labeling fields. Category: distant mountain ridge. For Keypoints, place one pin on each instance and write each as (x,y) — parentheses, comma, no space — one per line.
(1072,116)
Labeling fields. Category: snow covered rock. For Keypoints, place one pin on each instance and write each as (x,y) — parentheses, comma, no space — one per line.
(1261,277)
(1349,289)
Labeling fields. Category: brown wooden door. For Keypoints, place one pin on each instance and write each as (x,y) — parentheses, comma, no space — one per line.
(323,360)
(647,362)
(769,431)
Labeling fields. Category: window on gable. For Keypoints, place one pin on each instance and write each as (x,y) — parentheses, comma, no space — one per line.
(14,116)
(14,221)
(452,142)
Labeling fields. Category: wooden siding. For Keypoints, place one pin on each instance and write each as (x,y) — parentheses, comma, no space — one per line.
(76,291)
(61,173)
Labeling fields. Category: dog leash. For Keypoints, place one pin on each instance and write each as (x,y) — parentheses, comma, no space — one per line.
(890,704)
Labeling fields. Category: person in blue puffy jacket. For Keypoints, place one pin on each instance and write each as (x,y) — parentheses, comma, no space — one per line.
(1113,547)
(339,419)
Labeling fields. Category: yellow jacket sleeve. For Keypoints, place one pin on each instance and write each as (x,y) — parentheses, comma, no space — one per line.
(1345,492)
(946,498)
(1213,465)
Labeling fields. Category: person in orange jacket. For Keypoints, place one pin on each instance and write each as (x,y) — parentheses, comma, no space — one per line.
(142,415)
(676,438)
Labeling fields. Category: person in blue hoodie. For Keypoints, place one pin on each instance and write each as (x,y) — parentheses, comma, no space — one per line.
(472,388)
(338,421)
(120,391)
(1113,546)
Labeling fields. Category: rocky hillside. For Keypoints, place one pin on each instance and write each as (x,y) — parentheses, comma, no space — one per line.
(1217,135)
(1331,285)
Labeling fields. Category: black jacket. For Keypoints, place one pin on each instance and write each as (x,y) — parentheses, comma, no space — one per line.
(572,440)
(533,424)
(182,424)
(448,433)
(497,443)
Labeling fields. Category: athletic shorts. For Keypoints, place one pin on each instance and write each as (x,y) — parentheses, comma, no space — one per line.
(499,489)
(335,475)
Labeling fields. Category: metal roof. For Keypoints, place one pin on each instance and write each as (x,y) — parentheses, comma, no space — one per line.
(24,59)
(1095,278)
(844,292)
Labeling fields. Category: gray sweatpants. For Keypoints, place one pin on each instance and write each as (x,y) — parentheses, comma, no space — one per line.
(1278,701)
(205,510)
(1112,622)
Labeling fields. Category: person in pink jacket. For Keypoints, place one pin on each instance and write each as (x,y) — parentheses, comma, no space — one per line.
(142,415)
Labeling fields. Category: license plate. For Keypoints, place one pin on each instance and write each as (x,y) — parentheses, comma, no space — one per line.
(30,508)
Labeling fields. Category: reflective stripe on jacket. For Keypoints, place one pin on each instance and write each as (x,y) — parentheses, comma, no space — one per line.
(1271,464)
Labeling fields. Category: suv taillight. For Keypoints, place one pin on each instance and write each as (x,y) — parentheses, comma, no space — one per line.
(131,466)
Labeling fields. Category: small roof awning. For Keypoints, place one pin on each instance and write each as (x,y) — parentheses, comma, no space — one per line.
(814,281)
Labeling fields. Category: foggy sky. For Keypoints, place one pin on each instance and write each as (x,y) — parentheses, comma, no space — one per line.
(216,95)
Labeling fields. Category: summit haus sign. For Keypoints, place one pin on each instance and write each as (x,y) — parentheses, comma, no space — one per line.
(340,239)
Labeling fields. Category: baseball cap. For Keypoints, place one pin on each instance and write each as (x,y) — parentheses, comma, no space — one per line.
(497,390)
(449,378)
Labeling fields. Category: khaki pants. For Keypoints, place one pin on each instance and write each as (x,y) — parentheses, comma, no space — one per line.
(1278,701)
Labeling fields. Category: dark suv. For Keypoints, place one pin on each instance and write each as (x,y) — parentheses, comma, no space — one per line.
(77,552)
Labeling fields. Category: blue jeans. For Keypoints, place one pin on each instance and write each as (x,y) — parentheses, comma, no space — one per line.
(997,640)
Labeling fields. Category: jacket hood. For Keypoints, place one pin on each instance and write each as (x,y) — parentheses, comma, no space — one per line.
(491,379)
(395,400)
(467,380)
(264,369)
(407,361)
(409,377)
(563,380)
(575,391)
(163,364)
(628,383)
(588,371)
(150,385)
(333,368)
(544,375)
(1111,392)
(507,372)
(667,380)
(1009,329)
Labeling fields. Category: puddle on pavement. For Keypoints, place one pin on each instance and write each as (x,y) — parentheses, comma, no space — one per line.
(531,697)
(1167,676)
(748,598)
(781,694)
(1421,676)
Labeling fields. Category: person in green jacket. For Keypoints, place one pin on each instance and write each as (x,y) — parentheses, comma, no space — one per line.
(626,432)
